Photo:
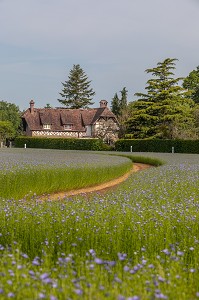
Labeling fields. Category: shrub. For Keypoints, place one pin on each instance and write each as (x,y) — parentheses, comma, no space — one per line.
(164,146)
(59,143)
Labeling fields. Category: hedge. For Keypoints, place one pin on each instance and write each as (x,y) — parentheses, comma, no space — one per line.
(177,146)
(59,143)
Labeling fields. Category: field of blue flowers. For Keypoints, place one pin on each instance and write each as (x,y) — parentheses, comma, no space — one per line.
(139,241)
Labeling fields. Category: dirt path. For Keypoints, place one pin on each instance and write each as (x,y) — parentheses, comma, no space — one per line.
(102,188)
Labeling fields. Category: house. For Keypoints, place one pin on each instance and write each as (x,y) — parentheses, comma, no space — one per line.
(71,123)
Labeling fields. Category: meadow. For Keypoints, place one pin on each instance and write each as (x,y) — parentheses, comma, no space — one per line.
(138,241)
(28,172)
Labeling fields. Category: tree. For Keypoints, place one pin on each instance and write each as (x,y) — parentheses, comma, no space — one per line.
(76,92)
(115,105)
(6,130)
(10,112)
(165,110)
(118,105)
(191,82)
(123,101)
(120,108)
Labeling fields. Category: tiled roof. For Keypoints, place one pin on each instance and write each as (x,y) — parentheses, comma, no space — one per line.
(58,117)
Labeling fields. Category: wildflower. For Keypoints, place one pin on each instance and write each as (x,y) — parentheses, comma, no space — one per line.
(78,292)
(31,272)
(126,268)
(44,276)
(53,297)
(92,252)
(180,253)
(118,279)
(160,296)
(111,263)
(151,266)
(192,270)
(122,256)
(36,262)
(42,296)
(99,261)
(161,279)
(24,255)
(19,267)
(11,295)
(166,251)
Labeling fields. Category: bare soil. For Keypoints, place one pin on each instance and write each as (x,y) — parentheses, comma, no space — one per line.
(102,188)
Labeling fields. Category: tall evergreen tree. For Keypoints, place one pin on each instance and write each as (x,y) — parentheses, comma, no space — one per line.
(76,92)
(165,109)
(120,108)
(123,101)
(115,105)
(191,82)
(119,105)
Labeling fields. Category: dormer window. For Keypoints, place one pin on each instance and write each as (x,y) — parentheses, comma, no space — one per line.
(67,126)
(46,126)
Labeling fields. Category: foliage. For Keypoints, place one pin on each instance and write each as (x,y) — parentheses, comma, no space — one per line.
(59,143)
(165,111)
(139,241)
(76,91)
(191,82)
(157,145)
(6,130)
(11,113)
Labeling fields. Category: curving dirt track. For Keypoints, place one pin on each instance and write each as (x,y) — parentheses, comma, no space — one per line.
(102,188)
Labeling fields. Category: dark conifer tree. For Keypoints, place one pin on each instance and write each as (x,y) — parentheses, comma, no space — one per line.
(191,82)
(115,105)
(165,109)
(76,92)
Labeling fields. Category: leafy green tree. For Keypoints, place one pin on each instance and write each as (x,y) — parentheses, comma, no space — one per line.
(6,130)
(76,92)
(165,111)
(191,82)
(10,112)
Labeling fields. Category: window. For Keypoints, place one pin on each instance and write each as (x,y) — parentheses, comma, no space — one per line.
(46,126)
(68,127)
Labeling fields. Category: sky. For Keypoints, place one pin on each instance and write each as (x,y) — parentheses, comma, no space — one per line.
(113,41)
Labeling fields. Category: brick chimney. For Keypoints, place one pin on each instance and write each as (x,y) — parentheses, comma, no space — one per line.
(103,103)
(32,103)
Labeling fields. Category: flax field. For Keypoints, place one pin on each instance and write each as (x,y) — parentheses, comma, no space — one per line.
(138,241)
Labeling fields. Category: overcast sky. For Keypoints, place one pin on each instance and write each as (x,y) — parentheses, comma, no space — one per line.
(114,41)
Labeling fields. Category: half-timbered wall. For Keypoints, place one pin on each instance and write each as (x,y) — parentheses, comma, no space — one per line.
(67,134)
